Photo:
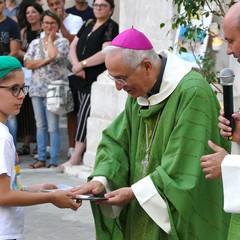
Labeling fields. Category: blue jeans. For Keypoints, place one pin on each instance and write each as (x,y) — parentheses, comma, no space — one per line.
(12,126)
(46,121)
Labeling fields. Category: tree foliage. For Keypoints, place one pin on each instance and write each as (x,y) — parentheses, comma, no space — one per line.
(186,11)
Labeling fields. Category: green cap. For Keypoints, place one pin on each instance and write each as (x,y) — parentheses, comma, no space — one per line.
(7,64)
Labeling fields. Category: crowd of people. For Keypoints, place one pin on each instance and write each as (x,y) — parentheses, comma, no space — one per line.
(42,44)
(153,166)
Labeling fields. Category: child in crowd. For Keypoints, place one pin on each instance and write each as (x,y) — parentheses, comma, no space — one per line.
(12,194)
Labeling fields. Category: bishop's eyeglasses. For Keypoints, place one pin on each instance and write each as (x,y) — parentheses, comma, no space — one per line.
(123,80)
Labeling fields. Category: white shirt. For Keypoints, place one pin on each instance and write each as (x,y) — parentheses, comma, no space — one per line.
(231,183)
(73,23)
(11,218)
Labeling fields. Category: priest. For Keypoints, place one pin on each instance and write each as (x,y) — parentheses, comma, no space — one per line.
(147,164)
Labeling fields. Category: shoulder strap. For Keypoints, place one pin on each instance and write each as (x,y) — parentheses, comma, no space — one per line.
(42,54)
(88,21)
(41,49)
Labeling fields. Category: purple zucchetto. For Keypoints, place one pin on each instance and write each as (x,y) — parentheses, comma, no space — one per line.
(132,39)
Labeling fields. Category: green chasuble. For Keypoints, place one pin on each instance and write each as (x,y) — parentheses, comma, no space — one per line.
(234,229)
(188,119)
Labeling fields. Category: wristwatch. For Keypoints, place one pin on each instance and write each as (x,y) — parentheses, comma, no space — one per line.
(84,63)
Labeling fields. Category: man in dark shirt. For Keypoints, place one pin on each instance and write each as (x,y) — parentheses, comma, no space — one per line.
(9,45)
(9,34)
(82,9)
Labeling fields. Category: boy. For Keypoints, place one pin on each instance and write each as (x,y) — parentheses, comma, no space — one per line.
(12,92)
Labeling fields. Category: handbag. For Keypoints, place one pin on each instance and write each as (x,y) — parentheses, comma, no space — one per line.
(59,99)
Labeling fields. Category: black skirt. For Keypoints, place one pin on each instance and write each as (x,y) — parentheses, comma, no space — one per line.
(25,119)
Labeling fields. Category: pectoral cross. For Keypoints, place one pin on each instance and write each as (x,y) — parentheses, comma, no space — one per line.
(144,164)
(148,146)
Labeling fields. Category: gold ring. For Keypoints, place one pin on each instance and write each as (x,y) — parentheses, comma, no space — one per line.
(230,138)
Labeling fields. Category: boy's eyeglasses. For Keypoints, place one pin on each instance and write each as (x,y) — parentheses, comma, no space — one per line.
(17,89)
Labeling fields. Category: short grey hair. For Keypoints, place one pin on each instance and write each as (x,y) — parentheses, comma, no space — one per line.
(133,57)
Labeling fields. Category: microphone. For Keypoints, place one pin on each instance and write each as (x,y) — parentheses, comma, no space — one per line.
(227,78)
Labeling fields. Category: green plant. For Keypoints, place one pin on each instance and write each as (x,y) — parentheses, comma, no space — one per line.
(187,10)
(206,65)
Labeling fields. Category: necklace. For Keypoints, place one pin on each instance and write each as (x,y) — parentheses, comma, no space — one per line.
(45,41)
(148,145)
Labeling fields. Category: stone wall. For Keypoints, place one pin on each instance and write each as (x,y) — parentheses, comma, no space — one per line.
(106,104)
(147,16)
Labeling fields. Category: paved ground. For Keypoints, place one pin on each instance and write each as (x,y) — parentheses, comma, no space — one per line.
(46,221)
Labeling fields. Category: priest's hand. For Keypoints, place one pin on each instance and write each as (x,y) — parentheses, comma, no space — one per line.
(119,197)
(226,130)
(93,187)
(211,164)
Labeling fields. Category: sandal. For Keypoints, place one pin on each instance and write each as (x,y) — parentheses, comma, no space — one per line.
(37,164)
(24,150)
(52,166)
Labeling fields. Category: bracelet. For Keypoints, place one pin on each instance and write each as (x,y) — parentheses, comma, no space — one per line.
(230,138)
(84,63)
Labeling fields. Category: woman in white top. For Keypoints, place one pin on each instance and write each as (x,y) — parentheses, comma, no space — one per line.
(46,58)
